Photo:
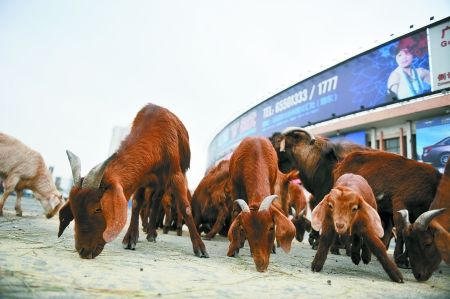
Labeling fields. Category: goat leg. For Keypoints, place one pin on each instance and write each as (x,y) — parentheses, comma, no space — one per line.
(167,206)
(326,239)
(131,237)
(180,192)
(400,255)
(220,221)
(356,249)
(18,206)
(366,255)
(151,228)
(378,249)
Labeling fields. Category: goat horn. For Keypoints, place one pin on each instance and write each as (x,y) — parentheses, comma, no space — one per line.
(293,129)
(424,220)
(94,177)
(267,202)
(75,165)
(405,217)
(243,205)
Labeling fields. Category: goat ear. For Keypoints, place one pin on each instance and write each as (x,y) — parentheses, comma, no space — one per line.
(285,230)
(330,153)
(373,217)
(65,217)
(114,207)
(318,214)
(441,240)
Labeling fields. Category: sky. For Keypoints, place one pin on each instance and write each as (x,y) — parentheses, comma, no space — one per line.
(72,70)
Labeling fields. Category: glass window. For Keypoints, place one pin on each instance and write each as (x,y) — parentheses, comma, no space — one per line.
(392,145)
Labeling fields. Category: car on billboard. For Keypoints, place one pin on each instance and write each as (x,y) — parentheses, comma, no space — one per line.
(437,154)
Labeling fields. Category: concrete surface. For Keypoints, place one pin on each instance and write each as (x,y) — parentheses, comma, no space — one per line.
(34,263)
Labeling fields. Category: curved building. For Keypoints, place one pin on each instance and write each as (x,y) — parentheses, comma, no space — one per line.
(393,97)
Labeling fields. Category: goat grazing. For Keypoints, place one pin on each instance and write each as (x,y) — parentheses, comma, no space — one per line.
(315,158)
(24,168)
(157,147)
(211,203)
(291,197)
(350,209)
(253,174)
(427,240)
(398,183)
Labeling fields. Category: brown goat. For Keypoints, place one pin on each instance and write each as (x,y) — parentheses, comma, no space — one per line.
(315,158)
(211,203)
(350,209)
(157,146)
(253,174)
(428,238)
(291,196)
(398,183)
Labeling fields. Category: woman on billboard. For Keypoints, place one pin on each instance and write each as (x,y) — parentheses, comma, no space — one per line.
(408,79)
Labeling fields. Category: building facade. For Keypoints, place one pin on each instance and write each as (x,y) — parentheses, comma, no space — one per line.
(392,97)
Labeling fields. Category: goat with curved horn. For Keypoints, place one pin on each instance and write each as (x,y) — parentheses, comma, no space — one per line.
(293,129)
(405,216)
(267,202)
(75,165)
(243,205)
(94,177)
(424,220)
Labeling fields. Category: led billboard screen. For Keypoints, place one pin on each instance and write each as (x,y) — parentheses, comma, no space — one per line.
(395,71)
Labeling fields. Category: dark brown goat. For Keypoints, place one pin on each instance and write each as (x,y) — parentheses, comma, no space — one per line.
(315,158)
(350,209)
(211,203)
(428,238)
(398,183)
(157,146)
(253,174)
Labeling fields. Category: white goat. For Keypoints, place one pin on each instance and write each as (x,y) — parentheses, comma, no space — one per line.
(24,168)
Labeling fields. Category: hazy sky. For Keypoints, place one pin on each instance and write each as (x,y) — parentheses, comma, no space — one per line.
(72,70)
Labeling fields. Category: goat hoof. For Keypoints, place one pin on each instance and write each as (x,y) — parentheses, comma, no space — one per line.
(335,251)
(130,245)
(151,238)
(403,264)
(179,232)
(19,214)
(316,267)
(356,258)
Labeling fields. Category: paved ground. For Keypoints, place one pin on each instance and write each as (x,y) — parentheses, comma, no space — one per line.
(34,263)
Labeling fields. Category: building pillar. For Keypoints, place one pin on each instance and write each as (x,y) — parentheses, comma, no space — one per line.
(409,150)
(402,144)
(373,138)
(381,141)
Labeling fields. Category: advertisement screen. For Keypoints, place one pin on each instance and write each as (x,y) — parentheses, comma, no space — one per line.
(396,71)
(440,53)
(433,140)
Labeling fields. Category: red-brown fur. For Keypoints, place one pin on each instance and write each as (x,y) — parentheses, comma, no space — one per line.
(291,195)
(314,161)
(398,183)
(428,247)
(211,203)
(253,174)
(158,145)
(167,217)
(350,210)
